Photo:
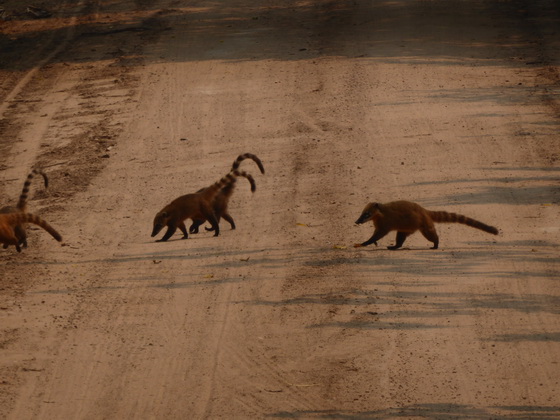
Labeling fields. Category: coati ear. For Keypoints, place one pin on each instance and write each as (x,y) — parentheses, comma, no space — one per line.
(164,214)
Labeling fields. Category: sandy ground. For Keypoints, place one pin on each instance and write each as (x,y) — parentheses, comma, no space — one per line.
(127,105)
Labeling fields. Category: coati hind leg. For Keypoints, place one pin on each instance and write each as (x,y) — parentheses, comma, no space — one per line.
(195,225)
(228,218)
(211,217)
(431,235)
(21,235)
(401,237)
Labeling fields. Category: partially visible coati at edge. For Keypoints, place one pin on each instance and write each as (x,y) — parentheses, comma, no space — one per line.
(21,206)
(196,206)
(406,218)
(9,222)
(221,201)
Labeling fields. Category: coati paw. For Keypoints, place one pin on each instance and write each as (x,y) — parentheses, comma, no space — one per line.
(358,245)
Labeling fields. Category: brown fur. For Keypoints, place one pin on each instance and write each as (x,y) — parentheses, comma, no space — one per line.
(221,202)
(406,218)
(22,205)
(196,206)
(9,221)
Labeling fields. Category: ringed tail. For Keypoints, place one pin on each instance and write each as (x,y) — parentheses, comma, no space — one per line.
(23,197)
(244,156)
(445,217)
(228,179)
(249,178)
(19,218)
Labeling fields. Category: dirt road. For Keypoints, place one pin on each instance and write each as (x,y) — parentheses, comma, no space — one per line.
(127,105)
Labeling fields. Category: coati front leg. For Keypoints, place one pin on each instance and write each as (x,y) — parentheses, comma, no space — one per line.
(183,228)
(171,229)
(377,235)
(401,237)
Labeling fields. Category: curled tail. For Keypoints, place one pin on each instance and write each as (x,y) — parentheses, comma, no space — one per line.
(230,185)
(445,217)
(19,218)
(249,178)
(224,182)
(22,203)
(244,156)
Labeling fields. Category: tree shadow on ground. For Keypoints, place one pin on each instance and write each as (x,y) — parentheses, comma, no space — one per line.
(388,30)
(431,411)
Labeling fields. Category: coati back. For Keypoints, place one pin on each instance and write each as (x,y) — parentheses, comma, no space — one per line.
(9,221)
(406,218)
(221,202)
(22,204)
(196,206)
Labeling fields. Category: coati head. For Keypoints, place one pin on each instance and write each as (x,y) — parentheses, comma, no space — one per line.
(160,221)
(370,212)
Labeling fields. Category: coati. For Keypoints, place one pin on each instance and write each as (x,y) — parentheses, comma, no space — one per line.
(221,202)
(196,206)
(9,222)
(22,205)
(406,218)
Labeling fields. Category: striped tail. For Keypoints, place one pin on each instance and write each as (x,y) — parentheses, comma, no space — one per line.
(445,217)
(244,156)
(22,203)
(19,218)
(225,181)
(249,178)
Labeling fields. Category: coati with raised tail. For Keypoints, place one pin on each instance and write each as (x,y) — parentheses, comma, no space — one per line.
(196,206)
(9,222)
(221,202)
(22,205)
(406,218)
